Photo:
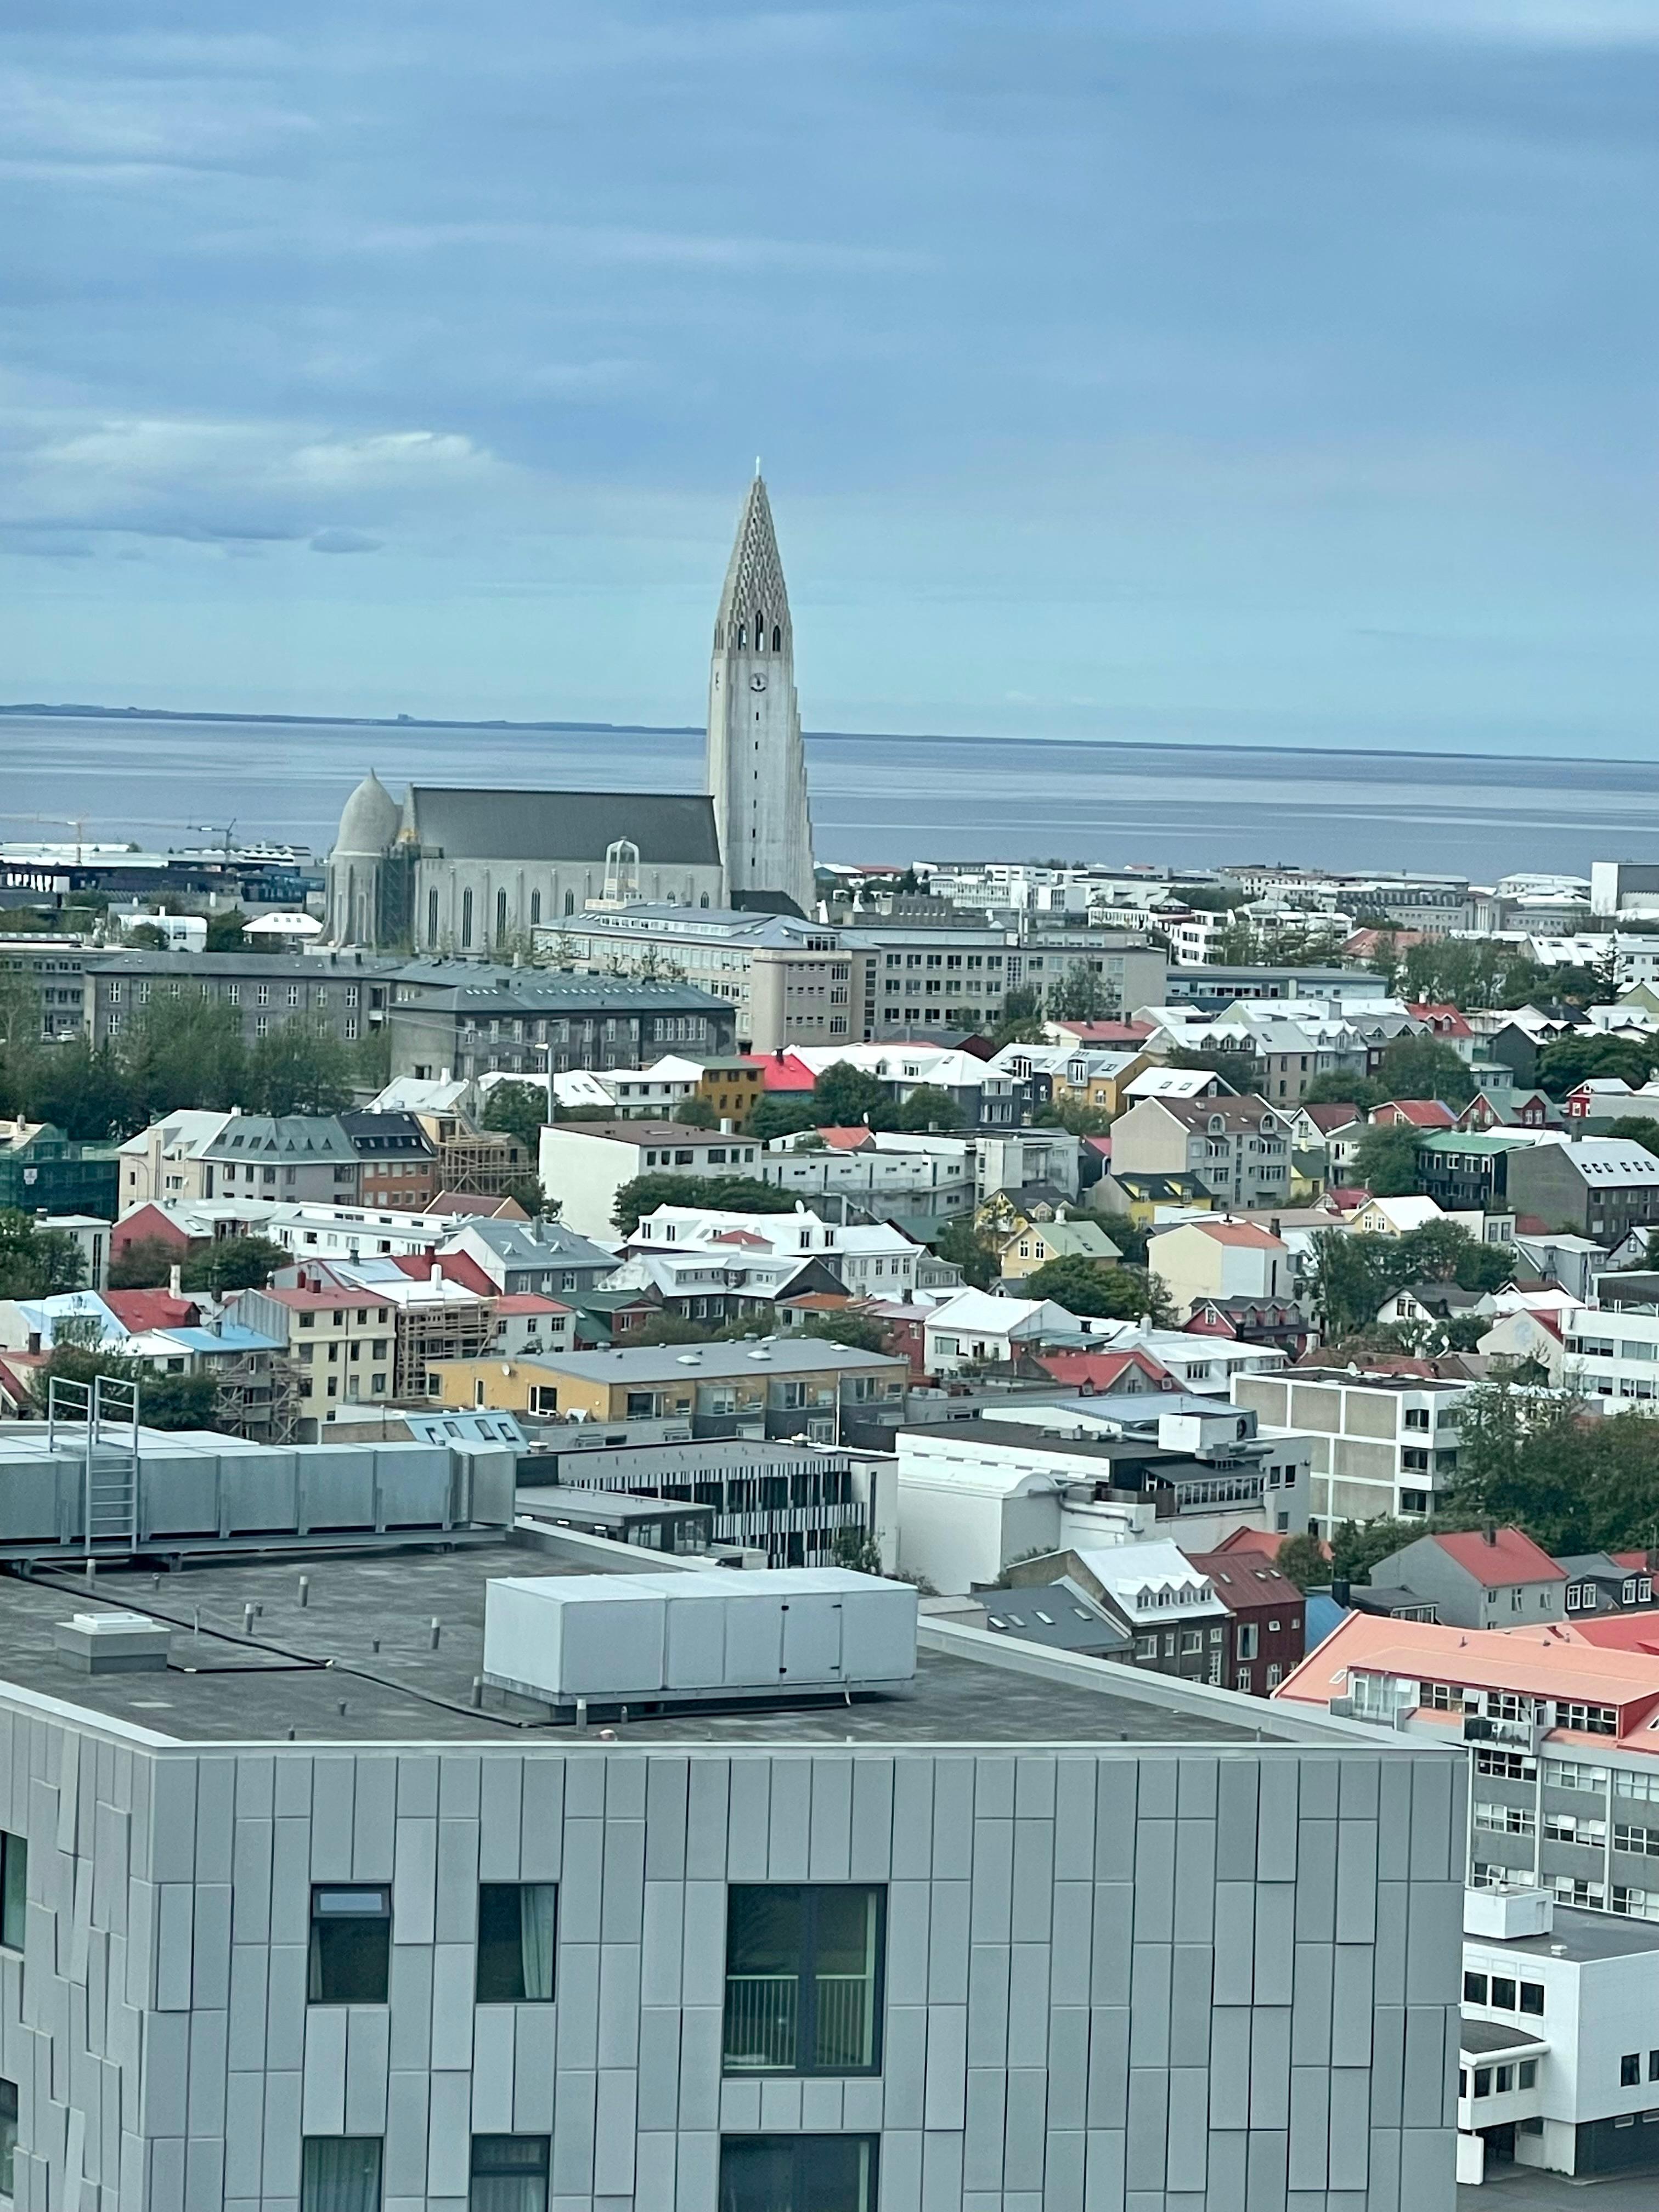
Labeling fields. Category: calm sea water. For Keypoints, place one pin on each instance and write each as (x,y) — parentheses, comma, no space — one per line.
(874,798)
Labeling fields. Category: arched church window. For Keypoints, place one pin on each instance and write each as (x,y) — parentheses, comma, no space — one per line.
(500,917)
(570,901)
(703,901)
(622,869)
(760,631)
(743,637)
(466,922)
(777,637)
(535,908)
(431,918)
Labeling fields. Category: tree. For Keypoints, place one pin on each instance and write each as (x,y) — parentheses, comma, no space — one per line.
(1351,1279)
(80,1090)
(1336,1089)
(959,1244)
(224,931)
(1080,995)
(1385,1160)
(526,1191)
(1637,1129)
(1109,1293)
(233,1263)
(843,1096)
(695,1113)
(1021,1021)
(1425,1067)
(35,1262)
(518,1109)
(20,1010)
(1075,1116)
(670,1328)
(144,1265)
(1301,1560)
(1235,1063)
(779,1114)
(144,937)
(1570,1061)
(1357,1546)
(860,1332)
(183,1051)
(165,1401)
(1574,1481)
(928,1108)
(302,1067)
(722,1193)
(857,1550)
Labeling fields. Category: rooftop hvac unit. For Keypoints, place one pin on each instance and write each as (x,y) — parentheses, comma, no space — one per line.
(702,1638)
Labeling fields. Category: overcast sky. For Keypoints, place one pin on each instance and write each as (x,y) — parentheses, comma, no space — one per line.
(1256,370)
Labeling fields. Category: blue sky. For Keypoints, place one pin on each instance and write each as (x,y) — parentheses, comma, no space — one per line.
(1233,370)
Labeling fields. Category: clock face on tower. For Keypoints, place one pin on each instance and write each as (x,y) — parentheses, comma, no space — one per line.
(758,683)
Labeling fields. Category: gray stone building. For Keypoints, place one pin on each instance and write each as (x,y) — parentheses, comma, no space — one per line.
(53,966)
(464,1018)
(1238,1148)
(335,1936)
(351,991)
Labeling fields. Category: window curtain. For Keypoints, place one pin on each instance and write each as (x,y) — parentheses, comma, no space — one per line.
(341,2174)
(509,2173)
(538,1921)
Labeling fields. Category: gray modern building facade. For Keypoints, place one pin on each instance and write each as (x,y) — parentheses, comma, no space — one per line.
(467,1018)
(310,1929)
(347,992)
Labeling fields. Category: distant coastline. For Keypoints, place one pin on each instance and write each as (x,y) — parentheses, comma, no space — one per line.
(1193,747)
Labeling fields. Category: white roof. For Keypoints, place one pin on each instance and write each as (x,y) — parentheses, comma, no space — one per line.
(1154,1581)
(191,1127)
(693,1229)
(283,925)
(1612,1160)
(1171,1083)
(972,1311)
(1402,1215)
(415,1094)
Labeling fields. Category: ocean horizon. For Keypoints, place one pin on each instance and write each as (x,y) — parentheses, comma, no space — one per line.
(158,777)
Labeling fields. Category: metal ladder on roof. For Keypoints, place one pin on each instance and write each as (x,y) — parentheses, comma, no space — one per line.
(107,1411)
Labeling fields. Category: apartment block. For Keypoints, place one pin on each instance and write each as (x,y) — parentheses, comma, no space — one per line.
(1381,1444)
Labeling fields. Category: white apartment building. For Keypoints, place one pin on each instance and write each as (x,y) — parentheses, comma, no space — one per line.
(1382,1444)
(1612,1354)
(757,1254)
(584,1163)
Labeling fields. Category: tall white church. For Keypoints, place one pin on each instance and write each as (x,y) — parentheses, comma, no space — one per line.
(477,871)
(756,762)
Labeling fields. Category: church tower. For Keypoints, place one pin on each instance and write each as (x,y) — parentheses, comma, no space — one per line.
(756,762)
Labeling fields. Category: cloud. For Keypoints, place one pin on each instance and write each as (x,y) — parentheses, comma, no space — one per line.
(345,541)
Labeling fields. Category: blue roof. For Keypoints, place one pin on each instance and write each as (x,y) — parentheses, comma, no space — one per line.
(231,1338)
(1321,1616)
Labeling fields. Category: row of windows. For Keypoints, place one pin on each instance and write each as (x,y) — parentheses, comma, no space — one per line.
(231,993)
(1503,1993)
(1498,2081)
(804,1964)
(509,2173)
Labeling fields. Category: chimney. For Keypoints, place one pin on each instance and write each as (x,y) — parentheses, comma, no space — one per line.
(437,1273)
(1490,1532)
(175,1282)
(1339,1590)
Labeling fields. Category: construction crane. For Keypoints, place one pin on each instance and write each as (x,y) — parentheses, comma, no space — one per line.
(75,822)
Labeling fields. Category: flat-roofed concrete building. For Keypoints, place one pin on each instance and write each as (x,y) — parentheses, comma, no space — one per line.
(366,1931)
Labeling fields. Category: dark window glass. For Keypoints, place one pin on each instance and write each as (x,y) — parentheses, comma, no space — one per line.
(1630,2069)
(518,1926)
(1483,2081)
(341,2173)
(1532,1997)
(509,2173)
(351,1946)
(13,1889)
(797,2173)
(1475,1989)
(8,2136)
(1503,1993)
(803,1973)
(1526,2072)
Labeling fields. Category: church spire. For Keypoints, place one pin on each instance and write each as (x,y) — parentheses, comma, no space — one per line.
(757,764)
(754,609)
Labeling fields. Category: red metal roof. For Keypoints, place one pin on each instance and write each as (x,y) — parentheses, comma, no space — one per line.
(783,1071)
(1099,1371)
(458,1266)
(138,1311)
(529,1302)
(1509,1555)
(1417,1113)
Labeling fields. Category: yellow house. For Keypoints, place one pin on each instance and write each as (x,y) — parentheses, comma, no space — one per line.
(794,1386)
(1099,1079)
(732,1089)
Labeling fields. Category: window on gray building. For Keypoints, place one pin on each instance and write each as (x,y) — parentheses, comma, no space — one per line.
(8,2137)
(340,2173)
(518,1931)
(13,1889)
(803,1976)
(509,2173)
(350,1954)
(797,2173)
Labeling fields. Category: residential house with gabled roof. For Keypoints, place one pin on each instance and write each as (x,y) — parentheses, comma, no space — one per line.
(1488,1578)
(1601,1187)
(1607,1583)
(1267,1613)
(1412,1113)
(1238,1148)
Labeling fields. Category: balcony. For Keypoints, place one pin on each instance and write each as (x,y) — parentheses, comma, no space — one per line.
(763,2024)
(1508,1734)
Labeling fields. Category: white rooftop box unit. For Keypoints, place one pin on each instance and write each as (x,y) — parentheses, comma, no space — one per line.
(698,1638)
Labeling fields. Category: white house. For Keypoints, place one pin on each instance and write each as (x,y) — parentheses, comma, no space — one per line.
(974,1329)
(1208,1258)
(584,1163)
